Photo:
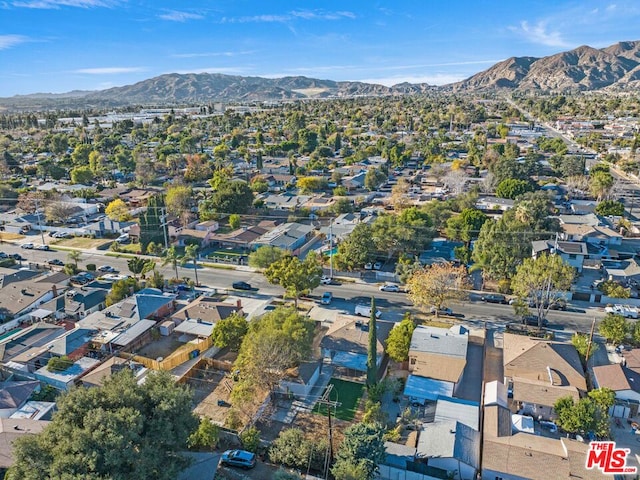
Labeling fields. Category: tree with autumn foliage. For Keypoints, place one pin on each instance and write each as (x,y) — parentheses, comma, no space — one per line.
(436,285)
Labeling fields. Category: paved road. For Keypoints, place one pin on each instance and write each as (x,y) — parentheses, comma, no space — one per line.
(346,295)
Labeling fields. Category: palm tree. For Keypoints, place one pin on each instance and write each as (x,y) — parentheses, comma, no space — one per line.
(191,253)
(75,256)
(140,266)
(171,257)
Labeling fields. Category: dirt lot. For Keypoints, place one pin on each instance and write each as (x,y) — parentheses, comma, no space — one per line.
(161,347)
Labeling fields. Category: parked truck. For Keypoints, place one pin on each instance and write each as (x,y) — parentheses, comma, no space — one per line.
(625,310)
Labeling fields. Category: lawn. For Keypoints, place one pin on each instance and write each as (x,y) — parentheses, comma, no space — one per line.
(80,242)
(347,394)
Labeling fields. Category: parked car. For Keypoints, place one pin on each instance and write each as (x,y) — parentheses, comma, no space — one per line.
(494,298)
(442,311)
(326,298)
(377,266)
(107,269)
(3,255)
(368,266)
(365,311)
(389,287)
(238,458)
(27,246)
(61,235)
(17,256)
(326,280)
(124,238)
(42,247)
(55,261)
(241,285)
(533,321)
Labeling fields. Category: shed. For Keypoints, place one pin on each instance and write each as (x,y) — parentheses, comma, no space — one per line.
(166,328)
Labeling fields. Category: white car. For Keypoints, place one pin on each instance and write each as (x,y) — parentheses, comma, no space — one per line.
(377,266)
(389,287)
(28,246)
(368,266)
(325,280)
(61,235)
(107,269)
(42,247)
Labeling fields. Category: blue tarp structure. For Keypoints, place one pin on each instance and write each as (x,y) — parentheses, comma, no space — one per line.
(422,388)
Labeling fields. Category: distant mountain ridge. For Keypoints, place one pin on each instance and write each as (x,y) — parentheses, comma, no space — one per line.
(616,67)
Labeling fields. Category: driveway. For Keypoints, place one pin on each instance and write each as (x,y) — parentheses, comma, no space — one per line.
(471,386)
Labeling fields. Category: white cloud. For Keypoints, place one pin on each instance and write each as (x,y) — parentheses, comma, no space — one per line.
(296,14)
(8,41)
(176,16)
(612,7)
(538,33)
(108,70)
(55,4)
(320,15)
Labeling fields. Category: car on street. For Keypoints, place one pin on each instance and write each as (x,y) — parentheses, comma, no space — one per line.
(532,320)
(3,255)
(57,262)
(326,298)
(17,256)
(238,458)
(61,235)
(241,285)
(42,247)
(27,246)
(441,311)
(325,280)
(107,269)
(389,287)
(365,311)
(494,298)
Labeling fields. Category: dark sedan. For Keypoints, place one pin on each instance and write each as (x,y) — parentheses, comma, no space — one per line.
(241,285)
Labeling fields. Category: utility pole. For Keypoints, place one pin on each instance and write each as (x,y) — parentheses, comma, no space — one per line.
(39,225)
(593,326)
(325,400)
(164,227)
(331,248)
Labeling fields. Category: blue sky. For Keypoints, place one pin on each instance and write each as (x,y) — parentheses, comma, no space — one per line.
(62,45)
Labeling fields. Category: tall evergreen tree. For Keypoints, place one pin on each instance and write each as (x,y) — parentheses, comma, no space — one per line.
(372,365)
(151,222)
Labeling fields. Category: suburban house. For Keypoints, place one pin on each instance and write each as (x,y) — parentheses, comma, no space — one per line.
(279,181)
(494,204)
(301,380)
(20,298)
(197,319)
(347,345)
(63,380)
(572,253)
(80,303)
(97,376)
(440,251)
(240,238)
(626,385)
(539,372)
(26,345)
(624,271)
(439,355)
(15,394)
(451,447)
(517,456)
(593,234)
(287,236)
(10,430)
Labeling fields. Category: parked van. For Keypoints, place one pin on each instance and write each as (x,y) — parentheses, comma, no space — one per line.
(365,311)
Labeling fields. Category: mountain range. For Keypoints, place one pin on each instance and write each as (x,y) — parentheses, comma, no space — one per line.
(616,67)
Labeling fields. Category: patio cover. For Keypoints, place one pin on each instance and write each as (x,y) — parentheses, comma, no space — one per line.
(423,388)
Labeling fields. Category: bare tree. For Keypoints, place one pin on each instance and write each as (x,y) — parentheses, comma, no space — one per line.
(455,181)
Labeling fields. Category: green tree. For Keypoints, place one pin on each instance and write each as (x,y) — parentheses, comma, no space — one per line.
(121,430)
(80,154)
(294,449)
(581,342)
(191,255)
(234,221)
(541,282)
(74,256)
(265,256)
(120,290)
(589,414)
(362,448)
(374,178)
(206,436)
(372,350)
(178,199)
(295,276)
(610,207)
(83,175)
(233,197)
(156,280)
(410,232)
(600,183)
(59,364)
(357,249)
(172,257)
(229,332)
(140,266)
(153,228)
(512,188)
(275,342)
(614,328)
(311,184)
(466,226)
(399,340)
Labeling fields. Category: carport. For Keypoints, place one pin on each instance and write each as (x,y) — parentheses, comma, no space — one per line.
(423,389)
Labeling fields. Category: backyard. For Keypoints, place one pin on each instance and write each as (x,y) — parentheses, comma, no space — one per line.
(347,395)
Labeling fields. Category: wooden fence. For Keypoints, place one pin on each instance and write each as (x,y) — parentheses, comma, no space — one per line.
(178,357)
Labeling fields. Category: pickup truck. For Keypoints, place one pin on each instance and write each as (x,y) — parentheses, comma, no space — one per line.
(624,310)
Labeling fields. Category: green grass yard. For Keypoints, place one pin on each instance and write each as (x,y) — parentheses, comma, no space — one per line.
(347,394)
